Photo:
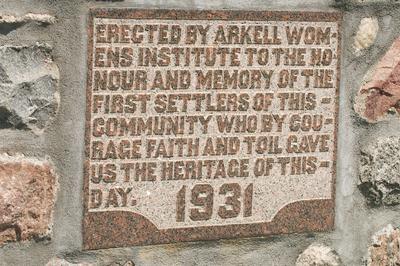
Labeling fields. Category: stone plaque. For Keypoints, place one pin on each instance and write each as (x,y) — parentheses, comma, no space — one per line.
(204,125)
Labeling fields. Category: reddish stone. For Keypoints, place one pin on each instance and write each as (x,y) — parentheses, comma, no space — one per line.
(385,248)
(27,196)
(381,92)
(108,226)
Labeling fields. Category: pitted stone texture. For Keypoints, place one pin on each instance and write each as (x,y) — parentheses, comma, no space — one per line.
(385,248)
(27,194)
(379,172)
(380,94)
(29,95)
(10,23)
(366,34)
(318,255)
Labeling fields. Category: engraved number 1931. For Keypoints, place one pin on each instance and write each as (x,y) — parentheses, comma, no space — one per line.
(202,197)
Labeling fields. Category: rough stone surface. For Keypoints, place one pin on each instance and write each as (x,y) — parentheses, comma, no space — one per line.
(354,221)
(385,248)
(380,171)
(63,262)
(10,23)
(29,95)
(318,255)
(380,92)
(27,194)
(356,3)
(126,263)
(366,34)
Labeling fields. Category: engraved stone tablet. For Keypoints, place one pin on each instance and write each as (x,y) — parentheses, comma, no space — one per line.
(205,125)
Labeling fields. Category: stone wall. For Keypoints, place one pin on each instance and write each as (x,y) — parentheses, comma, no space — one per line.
(42,121)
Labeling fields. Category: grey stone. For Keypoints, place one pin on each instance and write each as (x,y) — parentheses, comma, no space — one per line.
(379,171)
(318,255)
(9,23)
(123,263)
(56,261)
(29,95)
(385,247)
(370,2)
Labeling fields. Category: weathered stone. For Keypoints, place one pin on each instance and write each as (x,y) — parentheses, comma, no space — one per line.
(318,255)
(126,263)
(27,194)
(379,171)
(385,248)
(29,95)
(80,262)
(63,262)
(166,212)
(380,92)
(366,34)
(348,3)
(10,23)
(106,0)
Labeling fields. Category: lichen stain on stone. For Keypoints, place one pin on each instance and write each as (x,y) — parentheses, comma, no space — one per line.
(29,96)
(9,23)
(380,95)
(28,188)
